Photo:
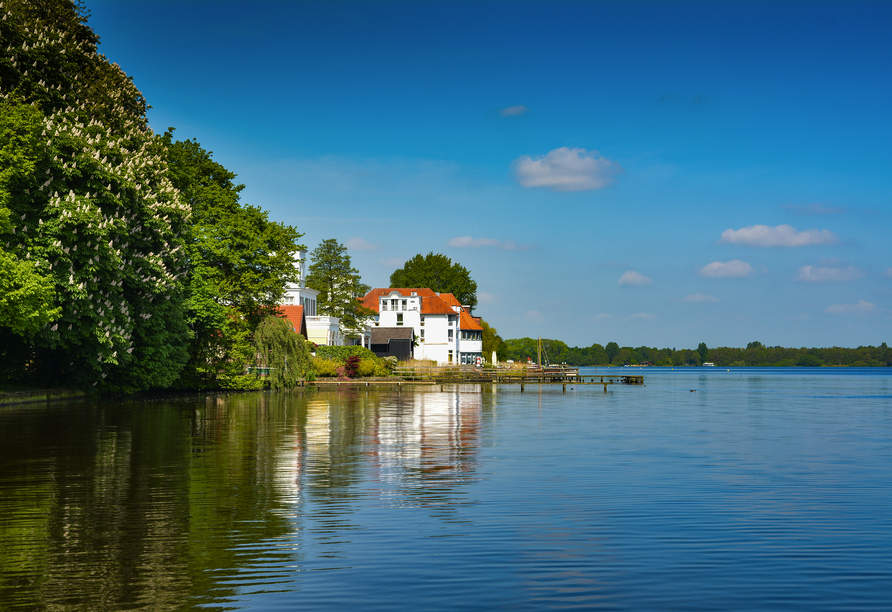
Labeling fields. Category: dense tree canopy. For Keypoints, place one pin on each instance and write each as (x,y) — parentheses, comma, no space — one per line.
(123,255)
(439,274)
(339,285)
(91,207)
(239,262)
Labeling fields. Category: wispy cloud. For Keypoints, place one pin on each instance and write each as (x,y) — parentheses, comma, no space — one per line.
(513,111)
(815,208)
(699,297)
(726,269)
(533,316)
(393,262)
(463,242)
(484,297)
(641,315)
(567,169)
(780,236)
(859,307)
(815,274)
(358,244)
(633,279)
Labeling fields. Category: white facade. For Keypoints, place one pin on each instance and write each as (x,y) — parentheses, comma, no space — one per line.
(437,326)
(298,294)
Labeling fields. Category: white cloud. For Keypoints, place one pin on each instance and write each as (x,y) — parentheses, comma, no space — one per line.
(533,316)
(486,298)
(462,242)
(699,297)
(394,262)
(467,241)
(358,244)
(726,269)
(640,315)
(859,307)
(780,236)
(513,111)
(814,274)
(567,169)
(633,279)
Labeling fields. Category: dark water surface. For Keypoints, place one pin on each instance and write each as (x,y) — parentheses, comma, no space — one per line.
(759,490)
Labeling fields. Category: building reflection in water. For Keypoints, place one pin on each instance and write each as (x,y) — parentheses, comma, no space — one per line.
(420,445)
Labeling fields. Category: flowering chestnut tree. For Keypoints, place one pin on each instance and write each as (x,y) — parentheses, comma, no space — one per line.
(94,226)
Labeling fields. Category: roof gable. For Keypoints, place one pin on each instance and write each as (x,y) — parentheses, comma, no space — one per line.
(295,315)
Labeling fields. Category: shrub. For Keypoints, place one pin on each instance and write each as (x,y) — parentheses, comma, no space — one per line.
(325,368)
(351,366)
(381,370)
(341,353)
(367,367)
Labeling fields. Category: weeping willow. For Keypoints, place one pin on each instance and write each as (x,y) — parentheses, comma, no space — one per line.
(285,352)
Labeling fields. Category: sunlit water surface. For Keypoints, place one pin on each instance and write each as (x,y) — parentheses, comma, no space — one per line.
(705,489)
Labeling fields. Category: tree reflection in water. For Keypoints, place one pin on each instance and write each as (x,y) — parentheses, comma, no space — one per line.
(204,500)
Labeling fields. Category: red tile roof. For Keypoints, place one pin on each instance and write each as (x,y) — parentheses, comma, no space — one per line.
(295,314)
(431,302)
(434,305)
(469,322)
(370,300)
(450,299)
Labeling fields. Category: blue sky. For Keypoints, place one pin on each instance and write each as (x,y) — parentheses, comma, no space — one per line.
(656,173)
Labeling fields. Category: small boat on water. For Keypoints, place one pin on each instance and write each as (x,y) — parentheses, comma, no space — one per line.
(708,364)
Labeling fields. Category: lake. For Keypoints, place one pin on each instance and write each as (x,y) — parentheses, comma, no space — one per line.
(705,489)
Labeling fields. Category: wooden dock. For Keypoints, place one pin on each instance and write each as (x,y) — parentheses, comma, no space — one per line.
(554,375)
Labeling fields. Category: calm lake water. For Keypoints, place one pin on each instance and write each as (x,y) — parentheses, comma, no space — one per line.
(702,490)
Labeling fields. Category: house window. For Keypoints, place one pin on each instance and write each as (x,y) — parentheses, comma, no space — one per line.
(450,356)
(399,319)
(422,321)
(450,335)
(404,305)
(422,335)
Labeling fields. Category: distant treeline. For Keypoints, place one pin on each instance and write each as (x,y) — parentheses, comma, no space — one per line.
(755,354)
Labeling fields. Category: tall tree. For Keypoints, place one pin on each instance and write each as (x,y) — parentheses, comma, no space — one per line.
(339,285)
(92,209)
(437,272)
(239,262)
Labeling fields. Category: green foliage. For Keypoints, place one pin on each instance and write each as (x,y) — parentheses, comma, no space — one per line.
(492,341)
(339,286)
(325,368)
(341,353)
(239,264)
(755,354)
(92,211)
(283,351)
(809,361)
(438,273)
(367,367)
(703,351)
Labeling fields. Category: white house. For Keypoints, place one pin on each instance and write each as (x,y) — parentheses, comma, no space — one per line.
(444,330)
(322,330)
